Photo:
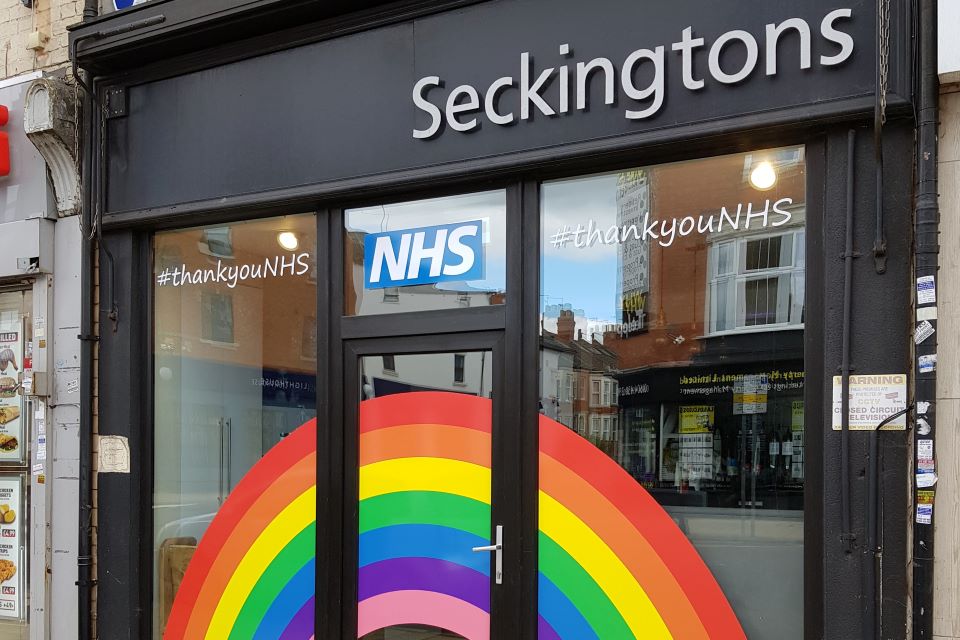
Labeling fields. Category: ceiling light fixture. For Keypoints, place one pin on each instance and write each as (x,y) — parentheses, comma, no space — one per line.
(288,240)
(763,176)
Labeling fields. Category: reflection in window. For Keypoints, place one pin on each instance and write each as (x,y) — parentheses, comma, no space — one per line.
(672,298)
(757,282)
(389,364)
(216,313)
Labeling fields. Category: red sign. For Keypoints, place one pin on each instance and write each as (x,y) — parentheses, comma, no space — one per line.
(4,142)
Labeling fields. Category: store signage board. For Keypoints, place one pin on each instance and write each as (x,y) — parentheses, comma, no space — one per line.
(873,398)
(12,416)
(11,547)
(4,142)
(451,252)
(495,83)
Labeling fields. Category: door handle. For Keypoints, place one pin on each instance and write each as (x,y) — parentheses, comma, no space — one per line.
(220,476)
(497,549)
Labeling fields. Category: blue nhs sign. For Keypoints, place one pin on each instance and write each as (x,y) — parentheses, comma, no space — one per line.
(424,255)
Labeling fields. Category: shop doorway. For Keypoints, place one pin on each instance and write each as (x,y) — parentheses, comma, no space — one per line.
(431,532)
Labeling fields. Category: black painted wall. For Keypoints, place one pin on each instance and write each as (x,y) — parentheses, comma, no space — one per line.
(880,343)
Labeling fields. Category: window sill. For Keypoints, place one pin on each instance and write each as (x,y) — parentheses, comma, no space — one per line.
(767,328)
(221,345)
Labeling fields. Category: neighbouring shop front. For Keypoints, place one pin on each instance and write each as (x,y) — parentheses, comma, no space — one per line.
(505,319)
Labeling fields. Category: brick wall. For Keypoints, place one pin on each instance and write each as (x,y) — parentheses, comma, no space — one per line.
(18,24)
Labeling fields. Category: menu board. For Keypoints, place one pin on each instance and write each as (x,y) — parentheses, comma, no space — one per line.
(11,394)
(11,540)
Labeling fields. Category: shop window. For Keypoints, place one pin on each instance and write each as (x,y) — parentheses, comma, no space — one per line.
(441,253)
(234,383)
(389,364)
(677,293)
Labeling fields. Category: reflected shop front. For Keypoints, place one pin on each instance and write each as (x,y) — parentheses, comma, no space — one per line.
(498,320)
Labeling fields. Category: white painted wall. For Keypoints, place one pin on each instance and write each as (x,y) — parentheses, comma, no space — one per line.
(946,612)
(948,40)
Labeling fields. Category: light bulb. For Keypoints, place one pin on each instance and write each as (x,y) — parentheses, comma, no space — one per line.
(763,176)
(288,240)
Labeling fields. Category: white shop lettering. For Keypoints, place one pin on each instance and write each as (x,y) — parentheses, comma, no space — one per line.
(465,104)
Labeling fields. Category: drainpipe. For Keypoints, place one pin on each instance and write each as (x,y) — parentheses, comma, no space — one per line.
(87,347)
(87,338)
(926,249)
(90,9)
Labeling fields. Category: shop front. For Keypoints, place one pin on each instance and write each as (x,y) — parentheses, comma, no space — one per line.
(505,319)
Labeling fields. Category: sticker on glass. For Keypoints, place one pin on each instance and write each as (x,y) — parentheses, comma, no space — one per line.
(425,255)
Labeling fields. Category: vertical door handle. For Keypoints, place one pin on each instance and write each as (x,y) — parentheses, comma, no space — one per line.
(497,549)
(228,423)
(220,473)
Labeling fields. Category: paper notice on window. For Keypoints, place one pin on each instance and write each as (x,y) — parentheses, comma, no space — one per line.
(750,395)
(873,399)
(12,579)
(696,419)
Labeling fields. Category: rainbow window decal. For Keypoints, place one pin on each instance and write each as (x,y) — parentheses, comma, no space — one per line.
(424,504)
(252,575)
(613,564)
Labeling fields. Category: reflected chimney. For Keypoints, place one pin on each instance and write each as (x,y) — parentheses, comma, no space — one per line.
(565,325)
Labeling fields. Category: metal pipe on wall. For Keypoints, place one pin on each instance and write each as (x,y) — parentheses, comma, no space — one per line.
(846,535)
(87,361)
(90,9)
(87,372)
(926,250)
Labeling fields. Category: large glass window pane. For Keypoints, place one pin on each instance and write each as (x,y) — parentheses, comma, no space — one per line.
(673,295)
(234,431)
(442,253)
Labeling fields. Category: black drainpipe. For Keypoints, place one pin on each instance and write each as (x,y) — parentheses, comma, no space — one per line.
(926,249)
(87,339)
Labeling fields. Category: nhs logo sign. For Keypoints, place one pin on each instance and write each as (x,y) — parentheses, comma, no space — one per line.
(424,255)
